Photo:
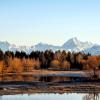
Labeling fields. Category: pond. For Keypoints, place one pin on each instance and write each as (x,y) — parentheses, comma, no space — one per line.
(45,96)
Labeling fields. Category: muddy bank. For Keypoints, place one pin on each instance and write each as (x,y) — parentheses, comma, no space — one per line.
(71,88)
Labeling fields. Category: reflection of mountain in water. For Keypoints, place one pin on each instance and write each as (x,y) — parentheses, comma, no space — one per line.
(93,96)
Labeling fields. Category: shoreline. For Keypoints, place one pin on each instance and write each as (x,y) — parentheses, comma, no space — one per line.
(77,82)
(51,72)
(75,88)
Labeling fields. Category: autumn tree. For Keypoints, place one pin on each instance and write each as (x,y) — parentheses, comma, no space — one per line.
(65,65)
(55,64)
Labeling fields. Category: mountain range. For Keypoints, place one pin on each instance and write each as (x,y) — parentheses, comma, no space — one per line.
(72,44)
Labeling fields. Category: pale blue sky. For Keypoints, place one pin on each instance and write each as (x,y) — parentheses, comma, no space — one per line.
(27,22)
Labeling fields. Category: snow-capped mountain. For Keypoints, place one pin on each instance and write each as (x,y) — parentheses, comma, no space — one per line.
(76,45)
(20,48)
(72,44)
(43,47)
(94,50)
(4,45)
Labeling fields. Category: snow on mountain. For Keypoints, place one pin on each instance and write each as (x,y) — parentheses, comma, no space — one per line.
(76,45)
(95,50)
(4,45)
(43,47)
(20,48)
(72,44)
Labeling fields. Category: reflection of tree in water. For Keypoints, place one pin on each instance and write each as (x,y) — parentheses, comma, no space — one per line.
(94,96)
(0,97)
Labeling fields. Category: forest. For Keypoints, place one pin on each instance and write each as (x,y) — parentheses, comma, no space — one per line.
(13,62)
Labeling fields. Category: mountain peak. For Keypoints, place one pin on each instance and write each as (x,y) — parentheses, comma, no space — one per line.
(74,40)
(75,44)
(71,43)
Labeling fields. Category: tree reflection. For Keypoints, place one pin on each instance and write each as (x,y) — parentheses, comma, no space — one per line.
(0,97)
(93,96)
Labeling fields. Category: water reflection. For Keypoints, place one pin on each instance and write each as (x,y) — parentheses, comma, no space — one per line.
(45,96)
(65,91)
(39,78)
(94,96)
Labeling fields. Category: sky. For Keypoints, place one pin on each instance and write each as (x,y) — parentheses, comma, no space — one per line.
(28,22)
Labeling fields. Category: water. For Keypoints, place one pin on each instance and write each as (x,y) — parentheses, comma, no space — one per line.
(45,96)
(47,78)
(65,89)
